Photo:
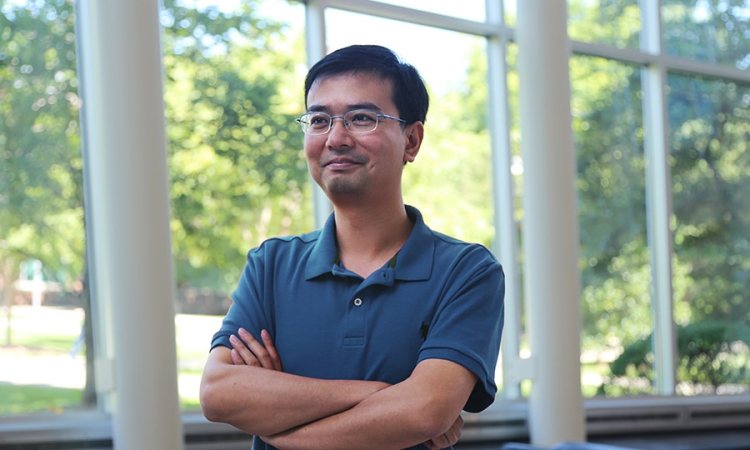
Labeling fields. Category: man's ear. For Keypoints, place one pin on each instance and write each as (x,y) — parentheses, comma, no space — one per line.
(414,133)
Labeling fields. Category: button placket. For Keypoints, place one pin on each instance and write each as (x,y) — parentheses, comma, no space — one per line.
(355,322)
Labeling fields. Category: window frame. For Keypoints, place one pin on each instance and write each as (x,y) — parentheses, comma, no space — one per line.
(508,417)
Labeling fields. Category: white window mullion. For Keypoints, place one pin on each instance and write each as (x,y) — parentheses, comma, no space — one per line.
(658,198)
(506,232)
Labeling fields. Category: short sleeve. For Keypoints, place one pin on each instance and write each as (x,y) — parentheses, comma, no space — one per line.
(468,326)
(248,309)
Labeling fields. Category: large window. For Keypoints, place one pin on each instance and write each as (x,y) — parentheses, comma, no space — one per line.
(704,157)
(43,273)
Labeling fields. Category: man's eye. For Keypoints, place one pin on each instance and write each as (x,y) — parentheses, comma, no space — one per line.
(319,121)
(363,118)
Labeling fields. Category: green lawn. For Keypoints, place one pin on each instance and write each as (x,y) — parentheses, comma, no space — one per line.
(52,332)
(20,399)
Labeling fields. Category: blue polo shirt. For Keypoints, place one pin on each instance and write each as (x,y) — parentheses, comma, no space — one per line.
(437,298)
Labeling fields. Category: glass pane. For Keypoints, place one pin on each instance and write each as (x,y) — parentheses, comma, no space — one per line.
(614,262)
(609,22)
(408,40)
(710,165)
(716,31)
(510,12)
(468,9)
(43,347)
(450,180)
(234,86)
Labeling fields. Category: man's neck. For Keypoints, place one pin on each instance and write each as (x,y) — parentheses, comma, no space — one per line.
(370,235)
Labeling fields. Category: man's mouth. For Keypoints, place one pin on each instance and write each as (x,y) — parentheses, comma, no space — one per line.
(341,161)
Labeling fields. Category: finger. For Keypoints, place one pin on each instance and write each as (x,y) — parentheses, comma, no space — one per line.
(268,343)
(457,426)
(454,433)
(442,441)
(452,436)
(448,438)
(245,356)
(438,442)
(257,348)
(236,358)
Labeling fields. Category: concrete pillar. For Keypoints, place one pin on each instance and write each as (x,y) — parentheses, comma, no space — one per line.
(128,215)
(550,238)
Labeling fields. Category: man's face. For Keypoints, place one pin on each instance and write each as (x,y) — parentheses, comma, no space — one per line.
(359,166)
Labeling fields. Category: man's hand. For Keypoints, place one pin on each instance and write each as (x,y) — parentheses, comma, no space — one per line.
(448,438)
(246,350)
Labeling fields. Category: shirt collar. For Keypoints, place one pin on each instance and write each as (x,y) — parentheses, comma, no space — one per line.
(413,262)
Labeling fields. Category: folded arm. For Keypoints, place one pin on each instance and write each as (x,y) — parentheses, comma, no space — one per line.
(261,400)
(425,408)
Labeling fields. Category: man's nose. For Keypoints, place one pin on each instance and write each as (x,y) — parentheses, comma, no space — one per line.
(339,133)
(344,124)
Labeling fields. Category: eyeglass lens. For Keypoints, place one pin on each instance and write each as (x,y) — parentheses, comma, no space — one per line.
(355,121)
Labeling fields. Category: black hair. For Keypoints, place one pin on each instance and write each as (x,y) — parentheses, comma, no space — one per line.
(409,91)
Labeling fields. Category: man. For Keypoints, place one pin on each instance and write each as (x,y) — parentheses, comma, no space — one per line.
(374,332)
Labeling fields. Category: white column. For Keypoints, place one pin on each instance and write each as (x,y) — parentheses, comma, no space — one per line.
(550,238)
(129,214)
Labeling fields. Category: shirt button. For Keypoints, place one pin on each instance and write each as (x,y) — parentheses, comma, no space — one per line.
(357,301)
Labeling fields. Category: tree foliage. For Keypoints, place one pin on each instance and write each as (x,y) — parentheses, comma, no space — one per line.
(712,355)
(236,166)
(41,192)
(236,163)
(715,31)
(708,125)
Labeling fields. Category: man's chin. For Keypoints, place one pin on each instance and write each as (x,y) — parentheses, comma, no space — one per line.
(342,187)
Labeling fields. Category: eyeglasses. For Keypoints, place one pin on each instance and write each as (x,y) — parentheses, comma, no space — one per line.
(357,121)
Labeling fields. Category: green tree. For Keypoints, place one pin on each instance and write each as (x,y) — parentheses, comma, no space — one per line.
(41,193)
(611,201)
(41,188)
(712,354)
(236,162)
(610,22)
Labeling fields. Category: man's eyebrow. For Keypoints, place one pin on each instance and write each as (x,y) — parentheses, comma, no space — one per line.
(352,107)
(365,105)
